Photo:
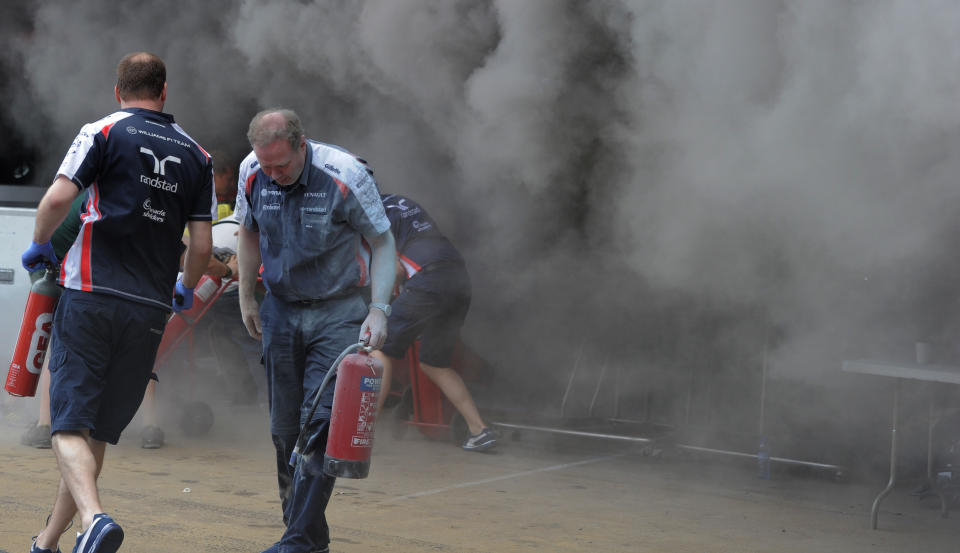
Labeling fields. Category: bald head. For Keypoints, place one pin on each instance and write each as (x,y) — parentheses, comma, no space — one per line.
(274,124)
(141,76)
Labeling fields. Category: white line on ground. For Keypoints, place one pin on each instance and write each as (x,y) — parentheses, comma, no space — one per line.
(505,477)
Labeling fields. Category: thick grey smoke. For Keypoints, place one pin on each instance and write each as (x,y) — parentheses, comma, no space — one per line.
(802,150)
(662,184)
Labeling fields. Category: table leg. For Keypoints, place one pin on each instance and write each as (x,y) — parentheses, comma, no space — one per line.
(932,484)
(875,510)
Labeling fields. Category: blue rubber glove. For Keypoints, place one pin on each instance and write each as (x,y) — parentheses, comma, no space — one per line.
(182,297)
(39,256)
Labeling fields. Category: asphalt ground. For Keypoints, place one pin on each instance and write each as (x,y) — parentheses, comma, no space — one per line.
(218,493)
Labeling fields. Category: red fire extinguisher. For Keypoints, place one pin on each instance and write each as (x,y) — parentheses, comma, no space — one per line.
(179,325)
(350,438)
(34,338)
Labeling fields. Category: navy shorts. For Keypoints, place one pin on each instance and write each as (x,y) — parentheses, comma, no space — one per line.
(101,359)
(432,307)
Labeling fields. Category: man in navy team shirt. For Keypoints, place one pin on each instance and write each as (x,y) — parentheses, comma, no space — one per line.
(145,179)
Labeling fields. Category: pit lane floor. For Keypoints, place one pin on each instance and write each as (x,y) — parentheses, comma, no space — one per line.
(218,494)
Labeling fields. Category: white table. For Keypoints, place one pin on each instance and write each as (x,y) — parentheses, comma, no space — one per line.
(906,371)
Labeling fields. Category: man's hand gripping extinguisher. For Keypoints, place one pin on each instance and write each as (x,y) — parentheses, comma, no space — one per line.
(350,437)
(34,338)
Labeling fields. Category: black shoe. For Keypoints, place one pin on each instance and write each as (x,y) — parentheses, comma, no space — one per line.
(37,436)
(151,438)
(486,439)
(276,547)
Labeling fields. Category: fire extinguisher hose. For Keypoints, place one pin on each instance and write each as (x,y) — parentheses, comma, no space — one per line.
(295,456)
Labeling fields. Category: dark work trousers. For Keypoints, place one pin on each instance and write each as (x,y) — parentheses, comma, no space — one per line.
(300,343)
(305,490)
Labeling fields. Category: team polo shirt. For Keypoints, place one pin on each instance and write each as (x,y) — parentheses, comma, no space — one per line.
(419,242)
(145,178)
(311,231)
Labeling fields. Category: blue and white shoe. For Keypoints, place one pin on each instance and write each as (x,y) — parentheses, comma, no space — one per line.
(33,546)
(35,549)
(103,536)
(486,439)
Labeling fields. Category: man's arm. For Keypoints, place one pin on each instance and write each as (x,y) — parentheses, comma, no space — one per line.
(53,208)
(248,267)
(401,275)
(382,275)
(199,246)
(221,269)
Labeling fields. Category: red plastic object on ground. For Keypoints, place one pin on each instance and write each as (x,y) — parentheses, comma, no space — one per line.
(350,439)
(432,411)
(34,338)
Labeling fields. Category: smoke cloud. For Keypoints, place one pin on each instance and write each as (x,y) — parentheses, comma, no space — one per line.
(666,186)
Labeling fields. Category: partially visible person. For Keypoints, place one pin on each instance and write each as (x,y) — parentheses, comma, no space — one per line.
(152,435)
(223,265)
(221,328)
(38,435)
(431,306)
(238,355)
(225,183)
(305,208)
(146,180)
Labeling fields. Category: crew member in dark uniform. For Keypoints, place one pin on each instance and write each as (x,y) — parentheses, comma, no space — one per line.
(432,307)
(146,179)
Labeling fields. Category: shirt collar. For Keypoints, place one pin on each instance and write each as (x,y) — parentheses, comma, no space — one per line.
(307,163)
(304,173)
(150,113)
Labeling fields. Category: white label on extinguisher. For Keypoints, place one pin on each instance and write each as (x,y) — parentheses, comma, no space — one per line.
(39,342)
(206,289)
(368,411)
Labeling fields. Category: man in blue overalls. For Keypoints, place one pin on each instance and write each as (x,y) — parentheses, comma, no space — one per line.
(305,209)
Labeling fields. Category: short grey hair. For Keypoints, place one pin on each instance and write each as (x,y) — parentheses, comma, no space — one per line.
(260,135)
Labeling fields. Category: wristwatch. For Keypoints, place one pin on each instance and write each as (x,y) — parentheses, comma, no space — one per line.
(385,307)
